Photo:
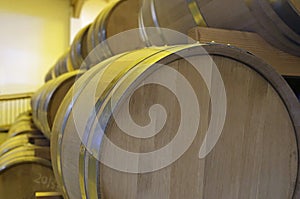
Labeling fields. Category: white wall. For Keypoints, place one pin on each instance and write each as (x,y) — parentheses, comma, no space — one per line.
(33,34)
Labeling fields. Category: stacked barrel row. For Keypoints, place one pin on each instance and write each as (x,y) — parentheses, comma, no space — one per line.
(276,21)
(128,125)
(116,18)
(25,163)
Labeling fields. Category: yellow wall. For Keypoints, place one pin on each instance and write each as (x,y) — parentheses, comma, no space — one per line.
(33,34)
(89,11)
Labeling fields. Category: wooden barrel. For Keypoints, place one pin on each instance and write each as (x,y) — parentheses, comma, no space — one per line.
(254,153)
(46,101)
(36,100)
(24,171)
(25,116)
(117,17)
(77,51)
(50,74)
(174,15)
(23,127)
(58,130)
(276,21)
(23,140)
(62,65)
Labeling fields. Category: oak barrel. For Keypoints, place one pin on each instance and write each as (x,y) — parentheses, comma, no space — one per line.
(24,171)
(46,101)
(23,127)
(50,74)
(225,125)
(25,116)
(276,21)
(58,131)
(64,64)
(115,19)
(23,140)
(77,50)
(61,66)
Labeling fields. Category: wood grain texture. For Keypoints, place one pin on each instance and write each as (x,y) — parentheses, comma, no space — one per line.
(256,16)
(256,155)
(22,181)
(174,15)
(48,98)
(283,63)
(65,130)
(25,170)
(123,18)
(117,17)
(65,156)
(259,16)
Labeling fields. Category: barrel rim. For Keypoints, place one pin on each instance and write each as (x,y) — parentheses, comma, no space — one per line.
(20,140)
(264,70)
(24,160)
(56,138)
(75,53)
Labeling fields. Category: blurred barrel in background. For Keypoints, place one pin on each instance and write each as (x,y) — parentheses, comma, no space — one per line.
(118,17)
(23,127)
(261,121)
(29,139)
(276,21)
(174,15)
(72,59)
(50,74)
(46,101)
(78,50)
(25,165)
(25,116)
(63,65)
(25,170)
